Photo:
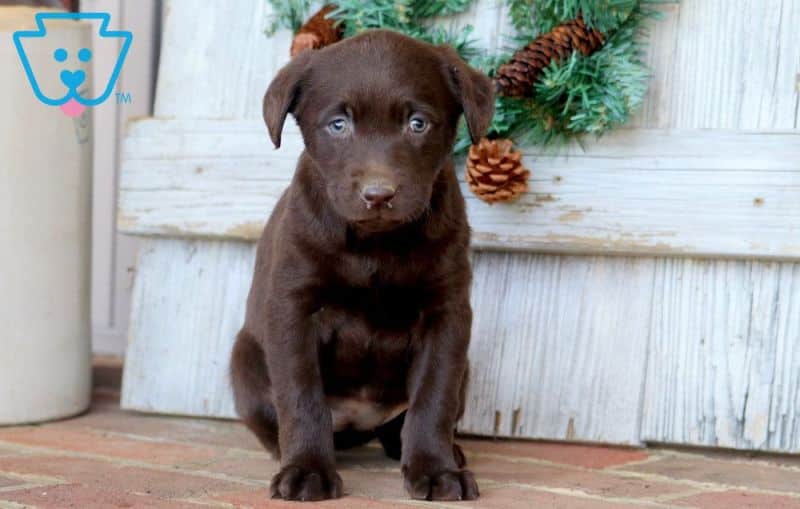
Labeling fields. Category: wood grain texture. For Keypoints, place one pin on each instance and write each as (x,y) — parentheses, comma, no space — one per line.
(724,361)
(188,304)
(217,60)
(560,350)
(714,193)
(723,367)
(542,365)
(550,338)
(724,64)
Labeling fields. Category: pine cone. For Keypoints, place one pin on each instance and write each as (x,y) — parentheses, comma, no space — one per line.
(319,31)
(495,172)
(517,77)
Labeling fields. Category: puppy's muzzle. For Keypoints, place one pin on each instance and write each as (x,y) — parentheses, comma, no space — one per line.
(378,194)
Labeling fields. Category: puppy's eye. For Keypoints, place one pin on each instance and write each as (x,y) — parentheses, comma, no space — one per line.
(338,126)
(417,124)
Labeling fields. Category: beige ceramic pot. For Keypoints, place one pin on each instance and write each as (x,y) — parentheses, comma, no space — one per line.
(45,233)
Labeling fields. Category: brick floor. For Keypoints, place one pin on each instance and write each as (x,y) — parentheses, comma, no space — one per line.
(112,458)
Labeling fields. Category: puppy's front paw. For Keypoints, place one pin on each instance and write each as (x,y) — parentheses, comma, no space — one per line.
(296,482)
(444,485)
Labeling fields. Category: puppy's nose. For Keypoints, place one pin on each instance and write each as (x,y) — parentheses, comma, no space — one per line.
(378,194)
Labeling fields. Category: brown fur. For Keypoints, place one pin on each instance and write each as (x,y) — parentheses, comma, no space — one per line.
(365,303)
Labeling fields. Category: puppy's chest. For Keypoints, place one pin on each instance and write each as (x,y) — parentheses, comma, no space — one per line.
(369,324)
(382,300)
(366,337)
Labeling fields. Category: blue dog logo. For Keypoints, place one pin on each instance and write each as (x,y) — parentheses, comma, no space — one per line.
(76,98)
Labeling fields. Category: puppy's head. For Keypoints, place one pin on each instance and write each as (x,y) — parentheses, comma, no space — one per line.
(379,114)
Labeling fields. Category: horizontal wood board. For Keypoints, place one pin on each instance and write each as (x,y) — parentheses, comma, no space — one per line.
(706,193)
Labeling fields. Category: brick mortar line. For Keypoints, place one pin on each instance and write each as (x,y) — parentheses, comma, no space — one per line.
(590,496)
(548,463)
(7,504)
(161,440)
(655,499)
(708,486)
(555,491)
(207,502)
(650,459)
(427,503)
(617,472)
(44,480)
(668,497)
(566,492)
(141,464)
(732,459)
(26,486)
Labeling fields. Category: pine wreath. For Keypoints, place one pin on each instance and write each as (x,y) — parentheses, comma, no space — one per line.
(577,69)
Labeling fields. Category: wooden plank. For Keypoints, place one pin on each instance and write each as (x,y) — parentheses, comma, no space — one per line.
(548,342)
(709,193)
(216,60)
(724,64)
(561,344)
(718,373)
(188,304)
(540,361)
(724,361)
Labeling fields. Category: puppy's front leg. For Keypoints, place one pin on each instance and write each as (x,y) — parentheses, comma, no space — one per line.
(305,431)
(437,372)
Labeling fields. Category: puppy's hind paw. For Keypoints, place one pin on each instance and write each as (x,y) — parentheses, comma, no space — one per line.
(447,485)
(296,482)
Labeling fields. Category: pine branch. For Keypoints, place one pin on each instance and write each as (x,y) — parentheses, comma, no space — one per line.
(288,14)
(596,93)
(522,16)
(429,8)
(407,17)
(604,15)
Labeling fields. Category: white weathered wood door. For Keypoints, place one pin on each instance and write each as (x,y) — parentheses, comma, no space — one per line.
(646,289)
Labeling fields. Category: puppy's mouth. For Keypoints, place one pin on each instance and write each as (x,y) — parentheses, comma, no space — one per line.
(384,219)
(379,219)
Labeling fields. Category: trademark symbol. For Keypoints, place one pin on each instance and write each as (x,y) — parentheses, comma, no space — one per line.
(124,98)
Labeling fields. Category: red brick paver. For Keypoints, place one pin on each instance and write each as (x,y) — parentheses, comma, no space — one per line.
(59,437)
(729,472)
(112,458)
(739,500)
(569,454)
(84,497)
(591,482)
(165,484)
(259,499)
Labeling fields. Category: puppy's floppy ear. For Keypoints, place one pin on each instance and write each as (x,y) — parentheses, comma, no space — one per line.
(474,90)
(283,94)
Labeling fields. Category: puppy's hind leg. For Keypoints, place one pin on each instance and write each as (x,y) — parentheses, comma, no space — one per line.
(251,391)
(389,436)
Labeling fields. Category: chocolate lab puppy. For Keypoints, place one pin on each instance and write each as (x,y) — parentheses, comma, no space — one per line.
(358,319)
